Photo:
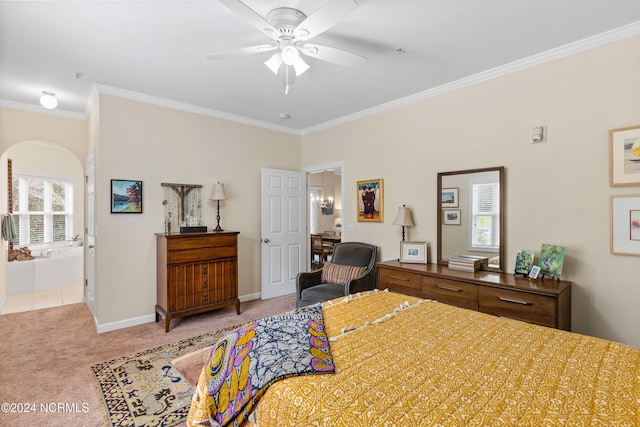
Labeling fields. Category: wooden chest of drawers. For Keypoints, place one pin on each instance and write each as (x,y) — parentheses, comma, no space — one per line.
(196,272)
(543,302)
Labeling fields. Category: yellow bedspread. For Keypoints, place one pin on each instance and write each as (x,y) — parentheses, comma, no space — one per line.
(431,364)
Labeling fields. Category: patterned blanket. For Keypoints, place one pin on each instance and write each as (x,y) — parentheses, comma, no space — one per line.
(244,363)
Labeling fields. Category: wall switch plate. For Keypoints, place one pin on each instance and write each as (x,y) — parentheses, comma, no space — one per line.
(538,134)
(350,226)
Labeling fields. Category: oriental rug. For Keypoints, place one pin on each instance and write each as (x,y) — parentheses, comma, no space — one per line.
(144,389)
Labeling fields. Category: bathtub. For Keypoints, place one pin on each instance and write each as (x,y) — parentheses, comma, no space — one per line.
(52,266)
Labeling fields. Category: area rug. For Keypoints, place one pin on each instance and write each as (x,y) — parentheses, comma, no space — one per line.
(145,389)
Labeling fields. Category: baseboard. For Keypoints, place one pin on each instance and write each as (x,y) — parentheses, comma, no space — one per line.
(250,297)
(127,323)
(121,324)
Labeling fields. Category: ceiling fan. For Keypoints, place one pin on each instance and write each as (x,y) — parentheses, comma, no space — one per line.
(290,29)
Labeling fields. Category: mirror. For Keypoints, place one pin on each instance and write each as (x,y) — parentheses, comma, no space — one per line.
(471,215)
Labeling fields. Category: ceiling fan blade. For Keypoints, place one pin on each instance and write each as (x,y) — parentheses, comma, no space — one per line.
(241,51)
(252,17)
(331,54)
(325,18)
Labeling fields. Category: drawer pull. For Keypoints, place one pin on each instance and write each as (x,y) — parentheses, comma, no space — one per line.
(400,278)
(204,284)
(447,288)
(514,301)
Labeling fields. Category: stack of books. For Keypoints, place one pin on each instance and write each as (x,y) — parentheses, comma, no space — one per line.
(468,263)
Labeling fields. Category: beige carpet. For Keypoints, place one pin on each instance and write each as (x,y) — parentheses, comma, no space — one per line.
(45,357)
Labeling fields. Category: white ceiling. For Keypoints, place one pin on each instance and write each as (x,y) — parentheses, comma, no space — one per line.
(155,50)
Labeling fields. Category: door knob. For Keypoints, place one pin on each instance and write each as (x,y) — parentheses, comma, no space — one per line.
(265,240)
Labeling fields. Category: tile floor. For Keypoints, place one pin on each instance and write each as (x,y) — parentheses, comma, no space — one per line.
(66,294)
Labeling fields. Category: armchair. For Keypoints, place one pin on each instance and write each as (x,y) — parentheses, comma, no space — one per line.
(342,276)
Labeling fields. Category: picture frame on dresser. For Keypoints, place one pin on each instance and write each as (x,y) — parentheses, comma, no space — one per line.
(624,156)
(414,252)
(624,236)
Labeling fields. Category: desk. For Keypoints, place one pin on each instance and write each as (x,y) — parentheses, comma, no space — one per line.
(332,239)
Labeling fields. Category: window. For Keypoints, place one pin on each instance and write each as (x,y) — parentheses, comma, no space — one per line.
(42,209)
(485,218)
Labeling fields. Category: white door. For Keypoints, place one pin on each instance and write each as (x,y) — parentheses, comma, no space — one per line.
(284,231)
(90,237)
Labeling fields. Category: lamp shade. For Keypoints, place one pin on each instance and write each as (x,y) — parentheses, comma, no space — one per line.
(218,192)
(404,217)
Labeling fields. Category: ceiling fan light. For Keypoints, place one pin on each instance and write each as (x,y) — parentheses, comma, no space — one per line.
(48,100)
(300,66)
(274,63)
(290,55)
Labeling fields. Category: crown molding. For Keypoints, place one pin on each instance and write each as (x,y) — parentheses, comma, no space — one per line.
(163,102)
(38,109)
(601,39)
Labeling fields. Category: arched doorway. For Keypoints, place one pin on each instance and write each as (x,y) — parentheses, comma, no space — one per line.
(47,195)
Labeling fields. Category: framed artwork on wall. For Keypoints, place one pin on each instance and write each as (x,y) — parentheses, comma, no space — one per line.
(624,156)
(449,197)
(625,225)
(451,217)
(370,197)
(126,196)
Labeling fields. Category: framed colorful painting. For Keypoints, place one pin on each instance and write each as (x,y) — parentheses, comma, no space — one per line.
(625,225)
(551,260)
(624,156)
(126,196)
(370,199)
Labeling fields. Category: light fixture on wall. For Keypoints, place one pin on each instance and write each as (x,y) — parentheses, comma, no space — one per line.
(48,100)
(217,194)
(403,218)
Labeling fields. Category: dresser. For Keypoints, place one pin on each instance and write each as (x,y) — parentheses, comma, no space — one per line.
(543,302)
(196,272)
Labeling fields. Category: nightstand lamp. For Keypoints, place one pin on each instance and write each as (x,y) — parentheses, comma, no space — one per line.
(217,194)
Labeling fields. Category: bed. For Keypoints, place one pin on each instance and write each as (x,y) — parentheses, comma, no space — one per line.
(403,361)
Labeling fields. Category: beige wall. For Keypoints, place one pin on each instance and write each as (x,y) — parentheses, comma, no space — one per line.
(36,157)
(18,126)
(557,192)
(156,144)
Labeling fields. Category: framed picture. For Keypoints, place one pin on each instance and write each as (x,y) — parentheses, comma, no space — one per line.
(415,252)
(625,225)
(126,196)
(524,262)
(551,260)
(535,270)
(370,199)
(624,156)
(451,217)
(450,197)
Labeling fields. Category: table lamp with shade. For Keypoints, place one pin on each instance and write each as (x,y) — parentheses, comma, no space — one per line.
(217,194)
(403,218)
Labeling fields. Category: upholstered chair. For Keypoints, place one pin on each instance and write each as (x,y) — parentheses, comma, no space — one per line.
(351,270)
